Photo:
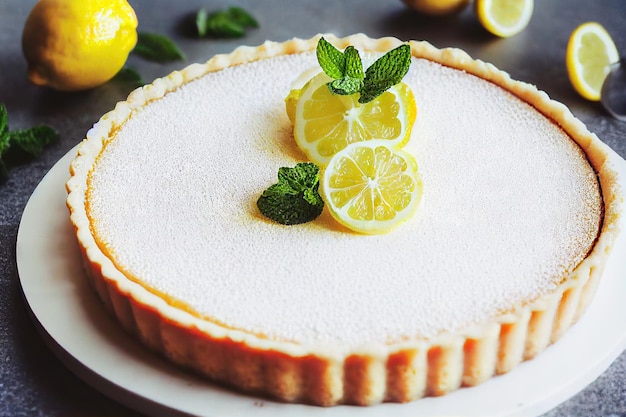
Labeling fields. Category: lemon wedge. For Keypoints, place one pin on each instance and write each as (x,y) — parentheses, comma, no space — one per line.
(504,18)
(372,187)
(590,52)
(325,123)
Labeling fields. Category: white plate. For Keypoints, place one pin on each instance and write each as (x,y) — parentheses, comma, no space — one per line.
(75,326)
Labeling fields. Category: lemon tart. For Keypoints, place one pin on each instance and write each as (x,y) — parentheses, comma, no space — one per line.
(518,215)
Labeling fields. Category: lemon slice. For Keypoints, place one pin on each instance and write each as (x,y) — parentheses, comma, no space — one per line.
(325,123)
(371,187)
(590,52)
(504,18)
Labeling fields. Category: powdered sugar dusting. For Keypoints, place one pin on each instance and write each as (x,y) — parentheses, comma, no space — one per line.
(509,206)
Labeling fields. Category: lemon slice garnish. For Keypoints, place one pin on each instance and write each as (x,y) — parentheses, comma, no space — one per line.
(504,18)
(372,187)
(590,52)
(325,123)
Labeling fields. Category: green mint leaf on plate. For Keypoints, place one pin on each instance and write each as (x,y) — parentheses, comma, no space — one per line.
(5,143)
(24,142)
(157,48)
(295,198)
(229,23)
(5,137)
(202,22)
(4,122)
(242,17)
(129,75)
(32,140)
(385,72)
(221,25)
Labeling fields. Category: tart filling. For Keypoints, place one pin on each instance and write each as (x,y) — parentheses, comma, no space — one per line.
(517,218)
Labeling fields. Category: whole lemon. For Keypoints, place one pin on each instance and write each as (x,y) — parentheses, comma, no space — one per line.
(437,7)
(75,45)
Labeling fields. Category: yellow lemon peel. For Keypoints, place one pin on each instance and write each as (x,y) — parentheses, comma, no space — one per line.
(75,45)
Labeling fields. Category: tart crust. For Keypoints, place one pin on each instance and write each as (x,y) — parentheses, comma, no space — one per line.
(402,371)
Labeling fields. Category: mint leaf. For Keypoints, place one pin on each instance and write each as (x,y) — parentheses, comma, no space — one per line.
(295,199)
(229,23)
(157,48)
(345,86)
(242,17)
(32,141)
(303,176)
(129,75)
(331,59)
(5,143)
(201,22)
(219,24)
(4,120)
(387,71)
(351,81)
(27,142)
(4,130)
(353,64)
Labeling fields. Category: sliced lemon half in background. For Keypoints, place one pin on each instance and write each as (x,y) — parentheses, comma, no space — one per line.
(590,53)
(437,7)
(504,18)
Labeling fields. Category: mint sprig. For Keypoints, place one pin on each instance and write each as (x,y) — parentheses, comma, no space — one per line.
(27,143)
(295,198)
(157,48)
(229,23)
(32,141)
(346,70)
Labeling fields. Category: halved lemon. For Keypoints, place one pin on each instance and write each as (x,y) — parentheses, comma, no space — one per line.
(372,187)
(504,18)
(590,52)
(325,123)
